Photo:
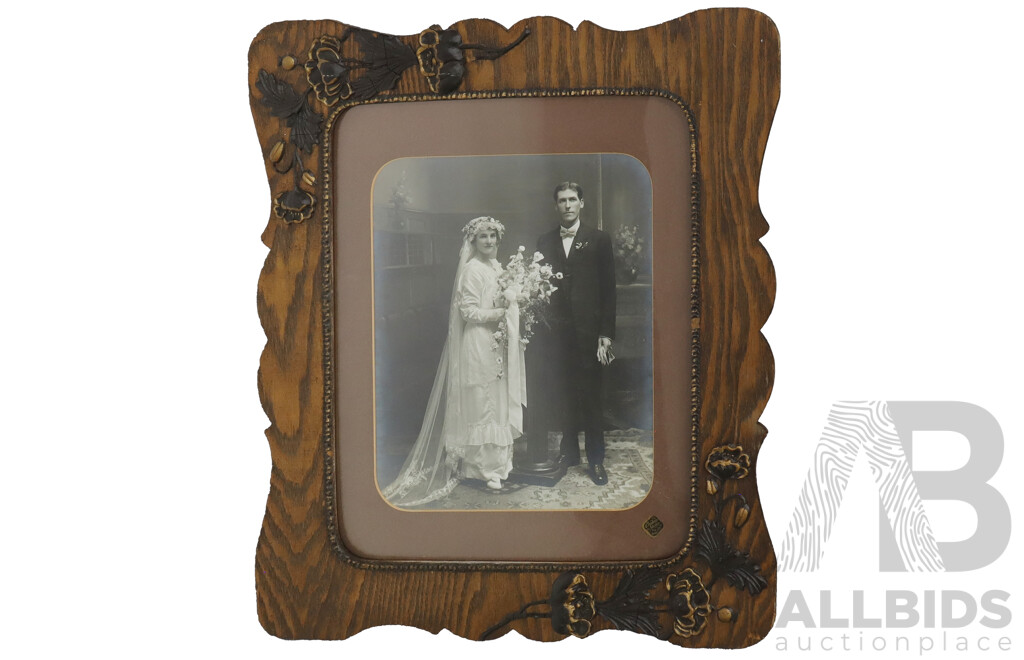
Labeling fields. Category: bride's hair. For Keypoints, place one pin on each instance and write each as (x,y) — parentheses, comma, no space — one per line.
(483,222)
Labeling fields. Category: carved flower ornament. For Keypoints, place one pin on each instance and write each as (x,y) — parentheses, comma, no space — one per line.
(689,602)
(440,57)
(294,205)
(639,601)
(333,77)
(726,462)
(326,72)
(572,605)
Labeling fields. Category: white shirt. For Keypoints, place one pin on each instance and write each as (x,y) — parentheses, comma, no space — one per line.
(567,241)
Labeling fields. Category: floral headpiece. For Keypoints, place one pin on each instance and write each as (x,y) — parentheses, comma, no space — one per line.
(483,222)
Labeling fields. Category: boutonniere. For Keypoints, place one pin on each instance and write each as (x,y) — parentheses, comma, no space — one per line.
(581,244)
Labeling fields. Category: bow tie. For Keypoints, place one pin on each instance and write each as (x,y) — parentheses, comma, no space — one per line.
(566,233)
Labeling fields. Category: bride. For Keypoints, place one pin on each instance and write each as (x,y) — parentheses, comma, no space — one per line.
(475,408)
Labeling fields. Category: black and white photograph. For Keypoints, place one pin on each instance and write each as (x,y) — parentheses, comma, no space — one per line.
(513,332)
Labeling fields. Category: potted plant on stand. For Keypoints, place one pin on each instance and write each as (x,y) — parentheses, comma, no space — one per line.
(629,250)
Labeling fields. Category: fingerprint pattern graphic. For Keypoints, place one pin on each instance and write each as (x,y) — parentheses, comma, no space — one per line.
(853,426)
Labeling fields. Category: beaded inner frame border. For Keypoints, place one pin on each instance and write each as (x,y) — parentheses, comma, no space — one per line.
(330,437)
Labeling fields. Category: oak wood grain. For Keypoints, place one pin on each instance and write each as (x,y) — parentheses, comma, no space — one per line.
(724,64)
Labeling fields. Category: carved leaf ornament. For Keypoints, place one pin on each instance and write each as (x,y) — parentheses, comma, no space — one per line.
(642,596)
(331,77)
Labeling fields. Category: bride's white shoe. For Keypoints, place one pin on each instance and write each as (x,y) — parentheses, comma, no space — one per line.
(494,484)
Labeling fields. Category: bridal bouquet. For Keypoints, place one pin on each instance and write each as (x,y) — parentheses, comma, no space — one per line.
(527,283)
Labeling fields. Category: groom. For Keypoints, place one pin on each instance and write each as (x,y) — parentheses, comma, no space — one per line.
(577,340)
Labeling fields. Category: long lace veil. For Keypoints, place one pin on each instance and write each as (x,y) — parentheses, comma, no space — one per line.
(428,473)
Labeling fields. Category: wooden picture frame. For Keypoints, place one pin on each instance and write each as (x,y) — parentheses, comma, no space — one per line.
(719,71)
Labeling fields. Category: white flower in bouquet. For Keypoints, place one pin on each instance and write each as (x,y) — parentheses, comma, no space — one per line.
(529,286)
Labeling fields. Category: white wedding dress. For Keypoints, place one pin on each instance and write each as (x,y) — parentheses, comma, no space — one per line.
(475,409)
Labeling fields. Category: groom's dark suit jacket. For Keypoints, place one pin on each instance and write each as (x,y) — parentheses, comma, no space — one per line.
(563,374)
(585,301)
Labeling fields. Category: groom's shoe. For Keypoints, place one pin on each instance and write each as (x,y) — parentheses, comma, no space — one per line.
(567,461)
(598,475)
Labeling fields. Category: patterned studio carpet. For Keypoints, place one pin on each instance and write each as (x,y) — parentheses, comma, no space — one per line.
(629,460)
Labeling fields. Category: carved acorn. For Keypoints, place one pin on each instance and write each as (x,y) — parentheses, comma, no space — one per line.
(742,514)
(276,151)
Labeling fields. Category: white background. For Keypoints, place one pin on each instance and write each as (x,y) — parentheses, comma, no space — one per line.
(134,469)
